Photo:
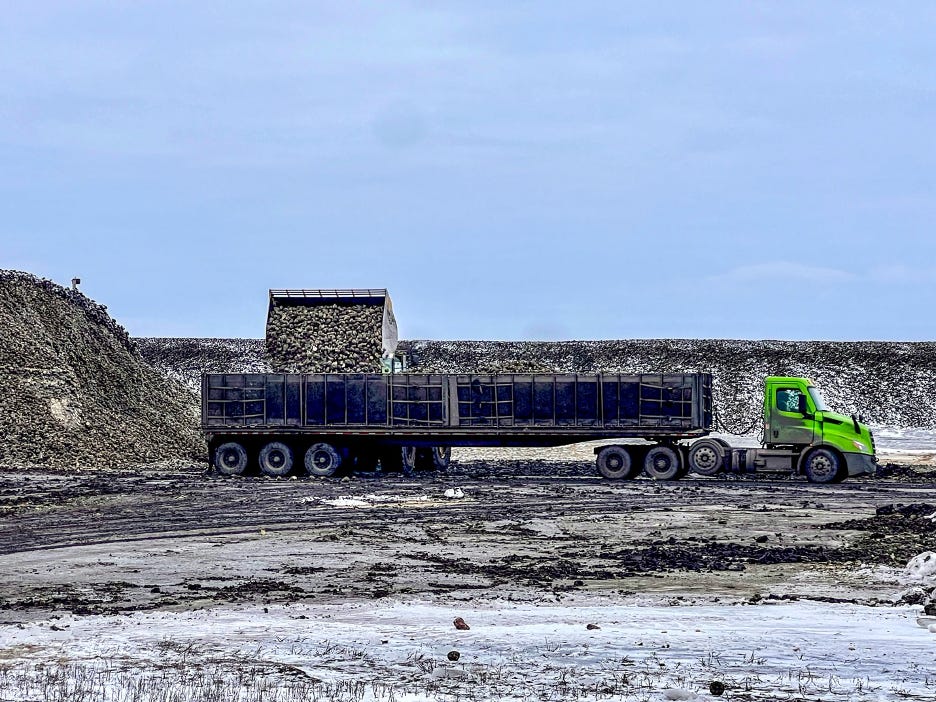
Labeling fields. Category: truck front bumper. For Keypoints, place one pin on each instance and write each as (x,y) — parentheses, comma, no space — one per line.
(861,464)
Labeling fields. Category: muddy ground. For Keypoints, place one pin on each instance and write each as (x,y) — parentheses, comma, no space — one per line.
(528,530)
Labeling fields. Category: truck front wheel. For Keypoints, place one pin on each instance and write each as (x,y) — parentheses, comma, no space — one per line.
(662,463)
(230,458)
(823,466)
(614,463)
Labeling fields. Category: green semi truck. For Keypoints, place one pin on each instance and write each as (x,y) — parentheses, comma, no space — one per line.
(800,435)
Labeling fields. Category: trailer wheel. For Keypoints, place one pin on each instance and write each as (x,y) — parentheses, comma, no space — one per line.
(322,460)
(614,463)
(823,466)
(441,457)
(706,457)
(276,459)
(230,458)
(662,463)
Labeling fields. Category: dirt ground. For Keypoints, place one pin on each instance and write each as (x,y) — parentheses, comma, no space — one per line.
(524,529)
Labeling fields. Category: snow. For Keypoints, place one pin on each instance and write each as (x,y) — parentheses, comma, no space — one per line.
(922,568)
(514,650)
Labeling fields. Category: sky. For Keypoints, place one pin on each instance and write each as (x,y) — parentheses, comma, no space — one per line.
(508,170)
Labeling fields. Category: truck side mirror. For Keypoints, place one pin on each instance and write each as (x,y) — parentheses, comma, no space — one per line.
(803,408)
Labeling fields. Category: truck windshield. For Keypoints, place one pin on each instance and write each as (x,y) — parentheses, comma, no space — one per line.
(816,396)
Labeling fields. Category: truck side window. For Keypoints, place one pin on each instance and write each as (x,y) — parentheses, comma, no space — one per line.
(788,399)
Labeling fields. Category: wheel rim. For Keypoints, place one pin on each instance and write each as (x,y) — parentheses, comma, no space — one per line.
(661,463)
(821,466)
(705,458)
(615,462)
(276,459)
(230,458)
(322,460)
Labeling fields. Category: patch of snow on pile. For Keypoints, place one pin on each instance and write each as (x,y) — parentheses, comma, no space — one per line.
(186,359)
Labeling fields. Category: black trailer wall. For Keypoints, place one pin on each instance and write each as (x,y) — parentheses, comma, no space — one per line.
(534,401)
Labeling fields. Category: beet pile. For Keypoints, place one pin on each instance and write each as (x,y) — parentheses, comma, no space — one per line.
(76,392)
(330,338)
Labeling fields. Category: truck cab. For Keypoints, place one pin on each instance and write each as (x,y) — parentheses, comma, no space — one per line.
(825,445)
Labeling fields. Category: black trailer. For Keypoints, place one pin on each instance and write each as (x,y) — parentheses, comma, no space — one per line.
(407,421)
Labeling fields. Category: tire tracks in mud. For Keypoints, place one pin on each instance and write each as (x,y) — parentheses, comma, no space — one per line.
(106,508)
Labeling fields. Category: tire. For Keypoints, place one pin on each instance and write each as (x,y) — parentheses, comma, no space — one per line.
(663,463)
(441,457)
(614,463)
(408,459)
(823,466)
(322,460)
(276,459)
(706,457)
(230,458)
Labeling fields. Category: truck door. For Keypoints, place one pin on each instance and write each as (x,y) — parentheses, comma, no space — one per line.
(788,425)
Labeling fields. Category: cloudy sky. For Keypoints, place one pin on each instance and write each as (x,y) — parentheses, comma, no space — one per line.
(509,170)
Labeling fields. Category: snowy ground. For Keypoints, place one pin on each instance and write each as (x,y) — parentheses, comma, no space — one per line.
(137,588)
(398,650)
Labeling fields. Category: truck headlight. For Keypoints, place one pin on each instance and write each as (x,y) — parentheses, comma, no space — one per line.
(860,446)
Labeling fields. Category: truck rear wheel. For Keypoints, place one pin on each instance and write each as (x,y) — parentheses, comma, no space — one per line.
(276,459)
(230,458)
(706,457)
(322,460)
(823,466)
(662,463)
(614,463)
